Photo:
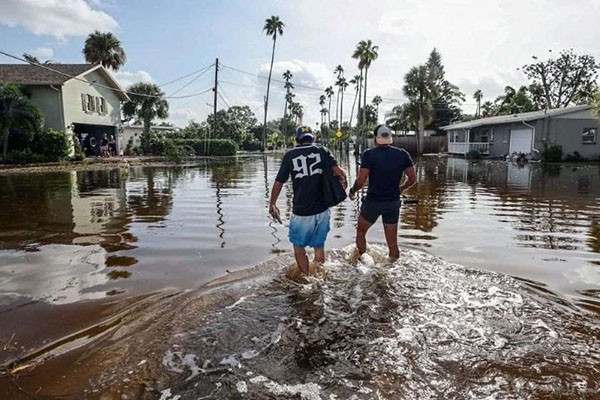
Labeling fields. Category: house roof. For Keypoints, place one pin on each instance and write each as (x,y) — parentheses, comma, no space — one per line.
(54,74)
(521,117)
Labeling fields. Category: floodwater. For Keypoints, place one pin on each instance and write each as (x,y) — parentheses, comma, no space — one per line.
(170,283)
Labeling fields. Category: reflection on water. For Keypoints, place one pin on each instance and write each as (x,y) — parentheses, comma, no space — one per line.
(107,235)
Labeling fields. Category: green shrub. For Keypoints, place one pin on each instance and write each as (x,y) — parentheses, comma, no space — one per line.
(575,157)
(52,144)
(23,157)
(79,154)
(129,147)
(552,153)
(474,155)
(214,147)
(254,145)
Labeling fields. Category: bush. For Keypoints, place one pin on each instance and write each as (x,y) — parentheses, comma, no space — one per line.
(575,157)
(52,144)
(254,145)
(552,153)
(474,155)
(214,147)
(23,157)
(79,154)
(129,147)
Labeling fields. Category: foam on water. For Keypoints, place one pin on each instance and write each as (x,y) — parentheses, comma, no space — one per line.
(418,328)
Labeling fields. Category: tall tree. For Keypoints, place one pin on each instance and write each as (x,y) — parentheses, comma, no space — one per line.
(322,104)
(568,79)
(16,112)
(377,100)
(477,96)
(356,81)
(339,72)
(343,84)
(273,27)
(146,103)
(418,89)
(366,53)
(104,48)
(329,93)
(288,85)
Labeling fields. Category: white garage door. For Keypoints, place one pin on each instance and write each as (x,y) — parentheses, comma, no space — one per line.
(520,141)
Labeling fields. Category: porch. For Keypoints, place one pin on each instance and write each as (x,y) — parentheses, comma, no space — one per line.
(463,148)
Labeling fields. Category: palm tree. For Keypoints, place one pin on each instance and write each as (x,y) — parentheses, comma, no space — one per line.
(16,112)
(273,27)
(146,103)
(105,49)
(377,100)
(339,71)
(322,104)
(329,93)
(366,53)
(288,85)
(34,60)
(343,84)
(477,96)
(356,80)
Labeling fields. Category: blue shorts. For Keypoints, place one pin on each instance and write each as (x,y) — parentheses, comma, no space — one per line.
(388,210)
(310,230)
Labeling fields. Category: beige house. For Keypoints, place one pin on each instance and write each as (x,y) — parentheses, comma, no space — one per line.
(82,99)
(133,134)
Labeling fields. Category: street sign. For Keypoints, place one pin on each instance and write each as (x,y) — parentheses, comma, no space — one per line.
(339,134)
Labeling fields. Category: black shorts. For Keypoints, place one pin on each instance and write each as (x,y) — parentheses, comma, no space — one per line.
(388,210)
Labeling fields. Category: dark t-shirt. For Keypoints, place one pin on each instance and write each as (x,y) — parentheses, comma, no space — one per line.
(305,164)
(386,164)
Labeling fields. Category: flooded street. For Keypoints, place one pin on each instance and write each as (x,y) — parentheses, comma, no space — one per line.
(159,282)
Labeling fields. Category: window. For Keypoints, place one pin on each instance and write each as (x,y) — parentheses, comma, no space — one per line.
(589,136)
(485,136)
(92,104)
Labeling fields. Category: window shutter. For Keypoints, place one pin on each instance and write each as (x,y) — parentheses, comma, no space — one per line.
(83,106)
(98,105)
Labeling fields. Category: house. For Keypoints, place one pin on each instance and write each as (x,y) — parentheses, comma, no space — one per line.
(82,99)
(573,129)
(132,134)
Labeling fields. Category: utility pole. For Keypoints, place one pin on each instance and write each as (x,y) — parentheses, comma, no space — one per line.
(215,102)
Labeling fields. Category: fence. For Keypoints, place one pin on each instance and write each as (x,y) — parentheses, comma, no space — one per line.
(431,144)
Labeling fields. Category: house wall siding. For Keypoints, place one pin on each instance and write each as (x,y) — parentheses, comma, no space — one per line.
(48,101)
(72,91)
(567,133)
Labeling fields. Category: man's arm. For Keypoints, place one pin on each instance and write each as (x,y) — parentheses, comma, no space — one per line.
(409,180)
(341,175)
(361,179)
(273,209)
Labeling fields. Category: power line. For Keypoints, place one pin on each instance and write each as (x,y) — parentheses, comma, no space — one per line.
(222,98)
(190,82)
(98,84)
(203,70)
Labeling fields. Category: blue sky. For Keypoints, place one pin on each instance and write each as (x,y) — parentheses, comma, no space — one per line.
(482,43)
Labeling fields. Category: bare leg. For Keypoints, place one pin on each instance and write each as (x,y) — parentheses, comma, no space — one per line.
(391,237)
(320,254)
(361,234)
(301,259)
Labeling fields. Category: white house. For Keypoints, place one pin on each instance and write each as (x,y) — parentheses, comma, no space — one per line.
(80,98)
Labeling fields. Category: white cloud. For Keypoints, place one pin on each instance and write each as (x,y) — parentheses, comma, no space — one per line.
(58,18)
(126,78)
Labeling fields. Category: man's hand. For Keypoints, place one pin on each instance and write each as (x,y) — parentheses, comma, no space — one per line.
(275,213)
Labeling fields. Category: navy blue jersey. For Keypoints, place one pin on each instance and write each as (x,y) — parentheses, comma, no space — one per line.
(305,165)
(386,164)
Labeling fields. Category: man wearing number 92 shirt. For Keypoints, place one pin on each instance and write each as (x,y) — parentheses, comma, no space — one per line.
(309,223)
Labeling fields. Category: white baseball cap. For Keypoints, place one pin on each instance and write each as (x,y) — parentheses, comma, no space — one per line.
(383,135)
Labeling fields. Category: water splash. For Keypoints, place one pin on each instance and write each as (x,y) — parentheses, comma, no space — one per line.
(369,329)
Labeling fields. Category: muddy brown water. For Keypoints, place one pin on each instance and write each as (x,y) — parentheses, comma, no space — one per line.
(158,282)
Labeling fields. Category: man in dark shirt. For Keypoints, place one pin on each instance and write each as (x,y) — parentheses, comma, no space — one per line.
(309,223)
(383,166)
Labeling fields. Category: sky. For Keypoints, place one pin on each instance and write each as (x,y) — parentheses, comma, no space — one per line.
(482,43)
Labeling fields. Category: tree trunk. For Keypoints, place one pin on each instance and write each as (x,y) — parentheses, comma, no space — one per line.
(329,114)
(365,110)
(5,132)
(353,104)
(359,126)
(267,97)
(146,137)
(341,110)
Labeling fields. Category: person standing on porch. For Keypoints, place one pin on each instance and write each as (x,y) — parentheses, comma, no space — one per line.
(383,166)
